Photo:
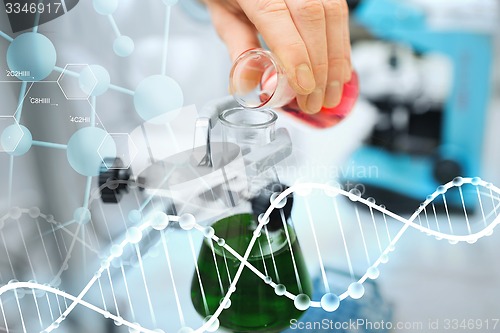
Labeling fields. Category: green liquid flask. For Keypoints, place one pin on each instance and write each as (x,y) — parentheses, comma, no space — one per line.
(255,305)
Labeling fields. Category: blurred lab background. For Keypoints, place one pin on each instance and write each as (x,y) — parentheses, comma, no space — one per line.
(428,112)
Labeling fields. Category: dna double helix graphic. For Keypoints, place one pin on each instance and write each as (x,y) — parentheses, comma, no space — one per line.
(358,224)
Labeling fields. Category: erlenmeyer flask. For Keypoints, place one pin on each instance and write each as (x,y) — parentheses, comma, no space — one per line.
(255,305)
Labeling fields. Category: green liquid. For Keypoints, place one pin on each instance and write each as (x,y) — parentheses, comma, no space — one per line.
(255,307)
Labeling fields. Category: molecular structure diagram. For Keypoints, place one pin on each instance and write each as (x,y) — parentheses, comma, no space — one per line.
(159,221)
(32,57)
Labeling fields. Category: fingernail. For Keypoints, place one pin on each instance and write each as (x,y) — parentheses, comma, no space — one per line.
(305,77)
(315,101)
(332,96)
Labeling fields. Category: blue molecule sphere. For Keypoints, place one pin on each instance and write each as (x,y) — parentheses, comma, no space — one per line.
(373,272)
(185,330)
(356,290)
(458,181)
(441,189)
(86,147)
(82,215)
(94,80)
(302,302)
(158,99)
(105,7)
(116,251)
(330,302)
(134,235)
(135,216)
(123,46)
(280,290)
(32,52)
(158,220)
(15,212)
(16,140)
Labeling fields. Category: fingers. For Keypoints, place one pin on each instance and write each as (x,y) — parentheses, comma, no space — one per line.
(339,65)
(309,37)
(347,44)
(310,20)
(236,32)
(273,20)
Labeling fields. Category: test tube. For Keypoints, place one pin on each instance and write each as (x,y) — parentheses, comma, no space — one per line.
(257,80)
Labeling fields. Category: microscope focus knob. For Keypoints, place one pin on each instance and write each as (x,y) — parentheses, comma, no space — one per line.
(113,189)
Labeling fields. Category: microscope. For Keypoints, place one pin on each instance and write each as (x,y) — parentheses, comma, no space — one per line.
(422,145)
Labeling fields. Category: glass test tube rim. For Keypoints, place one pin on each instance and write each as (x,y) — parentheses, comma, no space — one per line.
(224,118)
(268,55)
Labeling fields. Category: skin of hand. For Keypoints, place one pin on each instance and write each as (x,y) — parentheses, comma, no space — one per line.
(309,37)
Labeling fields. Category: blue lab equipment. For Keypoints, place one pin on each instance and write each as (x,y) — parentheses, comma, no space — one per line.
(458,153)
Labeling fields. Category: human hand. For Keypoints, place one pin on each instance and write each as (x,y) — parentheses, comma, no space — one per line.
(309,37)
